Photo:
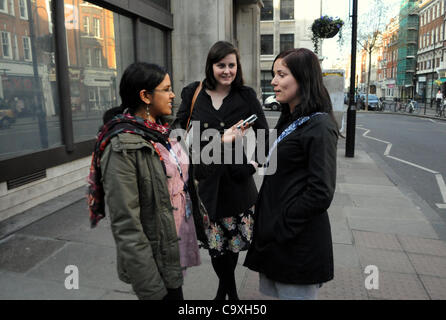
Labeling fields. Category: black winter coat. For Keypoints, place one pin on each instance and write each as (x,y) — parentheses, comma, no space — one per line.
(226,190)
(292,237)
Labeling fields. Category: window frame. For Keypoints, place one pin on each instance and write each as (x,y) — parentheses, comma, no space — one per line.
(28,41)
(23,4)
(9,44)
(263,10)
(293,8)
(272,41)
(5,6)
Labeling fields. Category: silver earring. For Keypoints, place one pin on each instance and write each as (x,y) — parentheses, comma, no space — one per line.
(147,111)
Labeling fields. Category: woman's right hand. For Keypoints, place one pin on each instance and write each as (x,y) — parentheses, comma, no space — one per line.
(232,133)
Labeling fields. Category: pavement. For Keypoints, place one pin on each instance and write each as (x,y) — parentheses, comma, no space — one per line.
(374,223)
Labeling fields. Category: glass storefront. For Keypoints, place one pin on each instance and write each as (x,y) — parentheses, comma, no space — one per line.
(100,47)
(29,108)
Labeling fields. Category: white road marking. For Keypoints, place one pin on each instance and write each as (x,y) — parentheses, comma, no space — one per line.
(438,176)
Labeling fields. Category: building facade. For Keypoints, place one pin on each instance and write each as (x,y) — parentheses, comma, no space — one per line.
(284,24)
(388,61)
(430,56)
(60,67)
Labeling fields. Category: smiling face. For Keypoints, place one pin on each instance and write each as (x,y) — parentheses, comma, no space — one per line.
(285,85)
(225,70)
(161,99)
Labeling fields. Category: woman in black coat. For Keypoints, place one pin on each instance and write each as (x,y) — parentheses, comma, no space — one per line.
(228,191)
(292,247)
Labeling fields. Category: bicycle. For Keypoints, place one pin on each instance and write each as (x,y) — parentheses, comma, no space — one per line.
(412,107)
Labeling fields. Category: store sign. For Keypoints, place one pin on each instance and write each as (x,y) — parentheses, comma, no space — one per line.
(422,79)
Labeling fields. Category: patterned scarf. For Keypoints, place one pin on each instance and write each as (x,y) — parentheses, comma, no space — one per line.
(123,123)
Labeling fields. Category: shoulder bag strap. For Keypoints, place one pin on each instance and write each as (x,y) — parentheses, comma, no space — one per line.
(197,91)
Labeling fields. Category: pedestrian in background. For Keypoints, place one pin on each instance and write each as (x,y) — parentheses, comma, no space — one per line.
(228,191)
(292,247)
(439,100)
(155,212)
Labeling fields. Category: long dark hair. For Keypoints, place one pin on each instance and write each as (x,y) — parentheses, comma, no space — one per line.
(138,76)
(314,97)
(217,52)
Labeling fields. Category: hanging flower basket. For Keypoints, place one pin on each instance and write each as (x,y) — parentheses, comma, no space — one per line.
(325,28)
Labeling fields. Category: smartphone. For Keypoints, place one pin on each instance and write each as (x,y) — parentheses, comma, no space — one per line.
(250,120)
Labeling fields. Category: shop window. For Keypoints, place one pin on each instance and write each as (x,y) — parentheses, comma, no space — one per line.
(28,90)
(266,44)
(96,63)
(267,12)
(286,9)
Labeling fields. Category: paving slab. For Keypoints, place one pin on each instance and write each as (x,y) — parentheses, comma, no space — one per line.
(370,202)
(345,255)
(429,265)
(385,260)
(370,190)
(21,253)
(17,287)
(379,212)
(96,265)
(376,240)
(342,200)
(399,286)
(423,246)
(421,229)
(115,295)
(370,180)
(436,287)
(348,284)
(340,231)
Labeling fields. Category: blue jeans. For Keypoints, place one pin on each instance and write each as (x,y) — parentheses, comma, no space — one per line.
(285,291)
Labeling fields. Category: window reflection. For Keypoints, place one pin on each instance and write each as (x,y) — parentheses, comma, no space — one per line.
(29,111)
(96,38)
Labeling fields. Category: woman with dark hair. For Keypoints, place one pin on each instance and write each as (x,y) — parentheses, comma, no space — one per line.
(228,191)
(144,177)
(292,247)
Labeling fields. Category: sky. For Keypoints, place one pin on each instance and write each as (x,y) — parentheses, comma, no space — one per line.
(340,8)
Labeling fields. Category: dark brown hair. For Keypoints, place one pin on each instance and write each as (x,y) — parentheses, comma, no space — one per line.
(306,69)
(218,52)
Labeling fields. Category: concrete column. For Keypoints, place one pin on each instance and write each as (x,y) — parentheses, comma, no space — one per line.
(198,25)
(248,41)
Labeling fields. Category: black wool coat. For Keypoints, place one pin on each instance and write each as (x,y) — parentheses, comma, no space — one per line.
(292,237)
(228,189)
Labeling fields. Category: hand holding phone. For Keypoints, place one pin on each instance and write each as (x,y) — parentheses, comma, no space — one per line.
(249,121)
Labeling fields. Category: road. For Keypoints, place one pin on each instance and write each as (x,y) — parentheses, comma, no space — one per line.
(413,151)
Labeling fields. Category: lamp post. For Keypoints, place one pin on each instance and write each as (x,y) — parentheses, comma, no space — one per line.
(351,112)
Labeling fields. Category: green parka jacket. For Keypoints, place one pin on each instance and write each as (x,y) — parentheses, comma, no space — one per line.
(141,215)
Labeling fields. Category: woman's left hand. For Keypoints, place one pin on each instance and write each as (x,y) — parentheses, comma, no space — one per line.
(232,133)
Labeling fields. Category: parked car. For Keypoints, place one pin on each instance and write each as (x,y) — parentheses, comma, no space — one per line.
(7,116)
(373,101)
(271,103)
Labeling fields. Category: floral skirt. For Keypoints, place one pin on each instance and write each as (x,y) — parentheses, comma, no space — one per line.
(231,234)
